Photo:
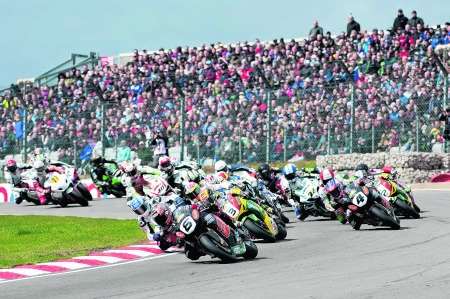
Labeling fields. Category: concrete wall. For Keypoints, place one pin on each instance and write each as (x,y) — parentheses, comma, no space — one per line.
(413,167)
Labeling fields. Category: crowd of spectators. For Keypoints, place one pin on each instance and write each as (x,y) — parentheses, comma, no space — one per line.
(391,74)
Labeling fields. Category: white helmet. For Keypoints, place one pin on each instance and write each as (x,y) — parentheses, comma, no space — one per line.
(220,166)
(39,165)
(128,168)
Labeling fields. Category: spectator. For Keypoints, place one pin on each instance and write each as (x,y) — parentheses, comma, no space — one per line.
(316,30)
(352,25)
(123,152)
(144,153)
(445,117)
(414,20)
(399,22)
(161,147)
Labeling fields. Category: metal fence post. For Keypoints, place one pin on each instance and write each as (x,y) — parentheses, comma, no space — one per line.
(373,138)
(102,137)
(284,145)
(445,100)
(417,128)
(240,145)
(75,153)
(352,115)
(116,146)
(268,125)
(182,128)
(198,150)
(24,136)
(328,141)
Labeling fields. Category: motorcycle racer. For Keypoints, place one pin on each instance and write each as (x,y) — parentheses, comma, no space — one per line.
(157,223)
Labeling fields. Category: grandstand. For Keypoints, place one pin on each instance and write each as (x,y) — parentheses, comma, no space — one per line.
(285,99)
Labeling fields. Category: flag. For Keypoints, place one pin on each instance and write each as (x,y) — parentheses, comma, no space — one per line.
(356,73)
(19,128)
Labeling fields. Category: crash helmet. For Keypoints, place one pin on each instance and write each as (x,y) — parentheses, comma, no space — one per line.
(265,171)
(39,165)
(162,215)
(165,164)
(128,168)
(326,174)
(139,205)
(221,166)
(11,165)
(361,170)
(192,190)
(289,171)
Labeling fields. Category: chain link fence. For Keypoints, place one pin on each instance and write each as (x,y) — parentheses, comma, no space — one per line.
(292,121)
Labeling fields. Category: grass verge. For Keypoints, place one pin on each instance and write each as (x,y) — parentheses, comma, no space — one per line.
(33,239)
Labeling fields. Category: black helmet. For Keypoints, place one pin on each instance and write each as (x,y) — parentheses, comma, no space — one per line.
(361,170)
(264,171)
(362,167)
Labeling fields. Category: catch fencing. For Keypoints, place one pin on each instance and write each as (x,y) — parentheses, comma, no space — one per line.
(287,121)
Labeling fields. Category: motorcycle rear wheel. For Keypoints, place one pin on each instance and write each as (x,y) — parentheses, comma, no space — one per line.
(258,231)
(210,246)
(406,209)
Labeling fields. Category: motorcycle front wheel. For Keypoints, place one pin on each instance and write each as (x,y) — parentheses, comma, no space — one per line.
(210,245)
(406,209)
(258,231)
(385,218)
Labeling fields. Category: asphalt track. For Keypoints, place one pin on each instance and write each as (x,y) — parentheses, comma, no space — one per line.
(320,259)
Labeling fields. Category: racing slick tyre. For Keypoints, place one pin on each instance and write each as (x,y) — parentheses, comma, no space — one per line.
(258,231)
(213,247)
(84,191)
(385,218)
(78,196)
(118,192)
(282,232)
(251,251)
(284,218)
(406,209)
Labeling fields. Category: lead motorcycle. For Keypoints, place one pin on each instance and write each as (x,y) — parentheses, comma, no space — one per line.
(65,187)
(366,209)
(203,240)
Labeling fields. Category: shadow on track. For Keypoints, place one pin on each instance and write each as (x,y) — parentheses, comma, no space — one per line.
(217,261)
(383,228)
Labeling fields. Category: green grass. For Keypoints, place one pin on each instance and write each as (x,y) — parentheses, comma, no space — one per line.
(33,239)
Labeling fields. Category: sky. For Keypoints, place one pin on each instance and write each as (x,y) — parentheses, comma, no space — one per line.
(36,35)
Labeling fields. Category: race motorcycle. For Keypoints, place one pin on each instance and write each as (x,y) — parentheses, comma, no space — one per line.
(112,183)
(66,188)
(256,190)
(365,209)
(253,217)
(400,199)
(26,189)
(156,189)
(193,229)
(305,191)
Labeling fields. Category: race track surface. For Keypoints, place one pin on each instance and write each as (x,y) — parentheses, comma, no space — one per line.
(320,259)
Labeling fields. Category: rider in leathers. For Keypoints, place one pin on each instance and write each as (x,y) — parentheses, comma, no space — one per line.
(14,175)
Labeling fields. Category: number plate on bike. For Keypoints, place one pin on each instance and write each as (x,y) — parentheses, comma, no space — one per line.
(188,225)
(360,199)
(231,210)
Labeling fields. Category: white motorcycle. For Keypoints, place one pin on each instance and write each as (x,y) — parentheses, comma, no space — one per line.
(66,188)
(26,188)
(305,192)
